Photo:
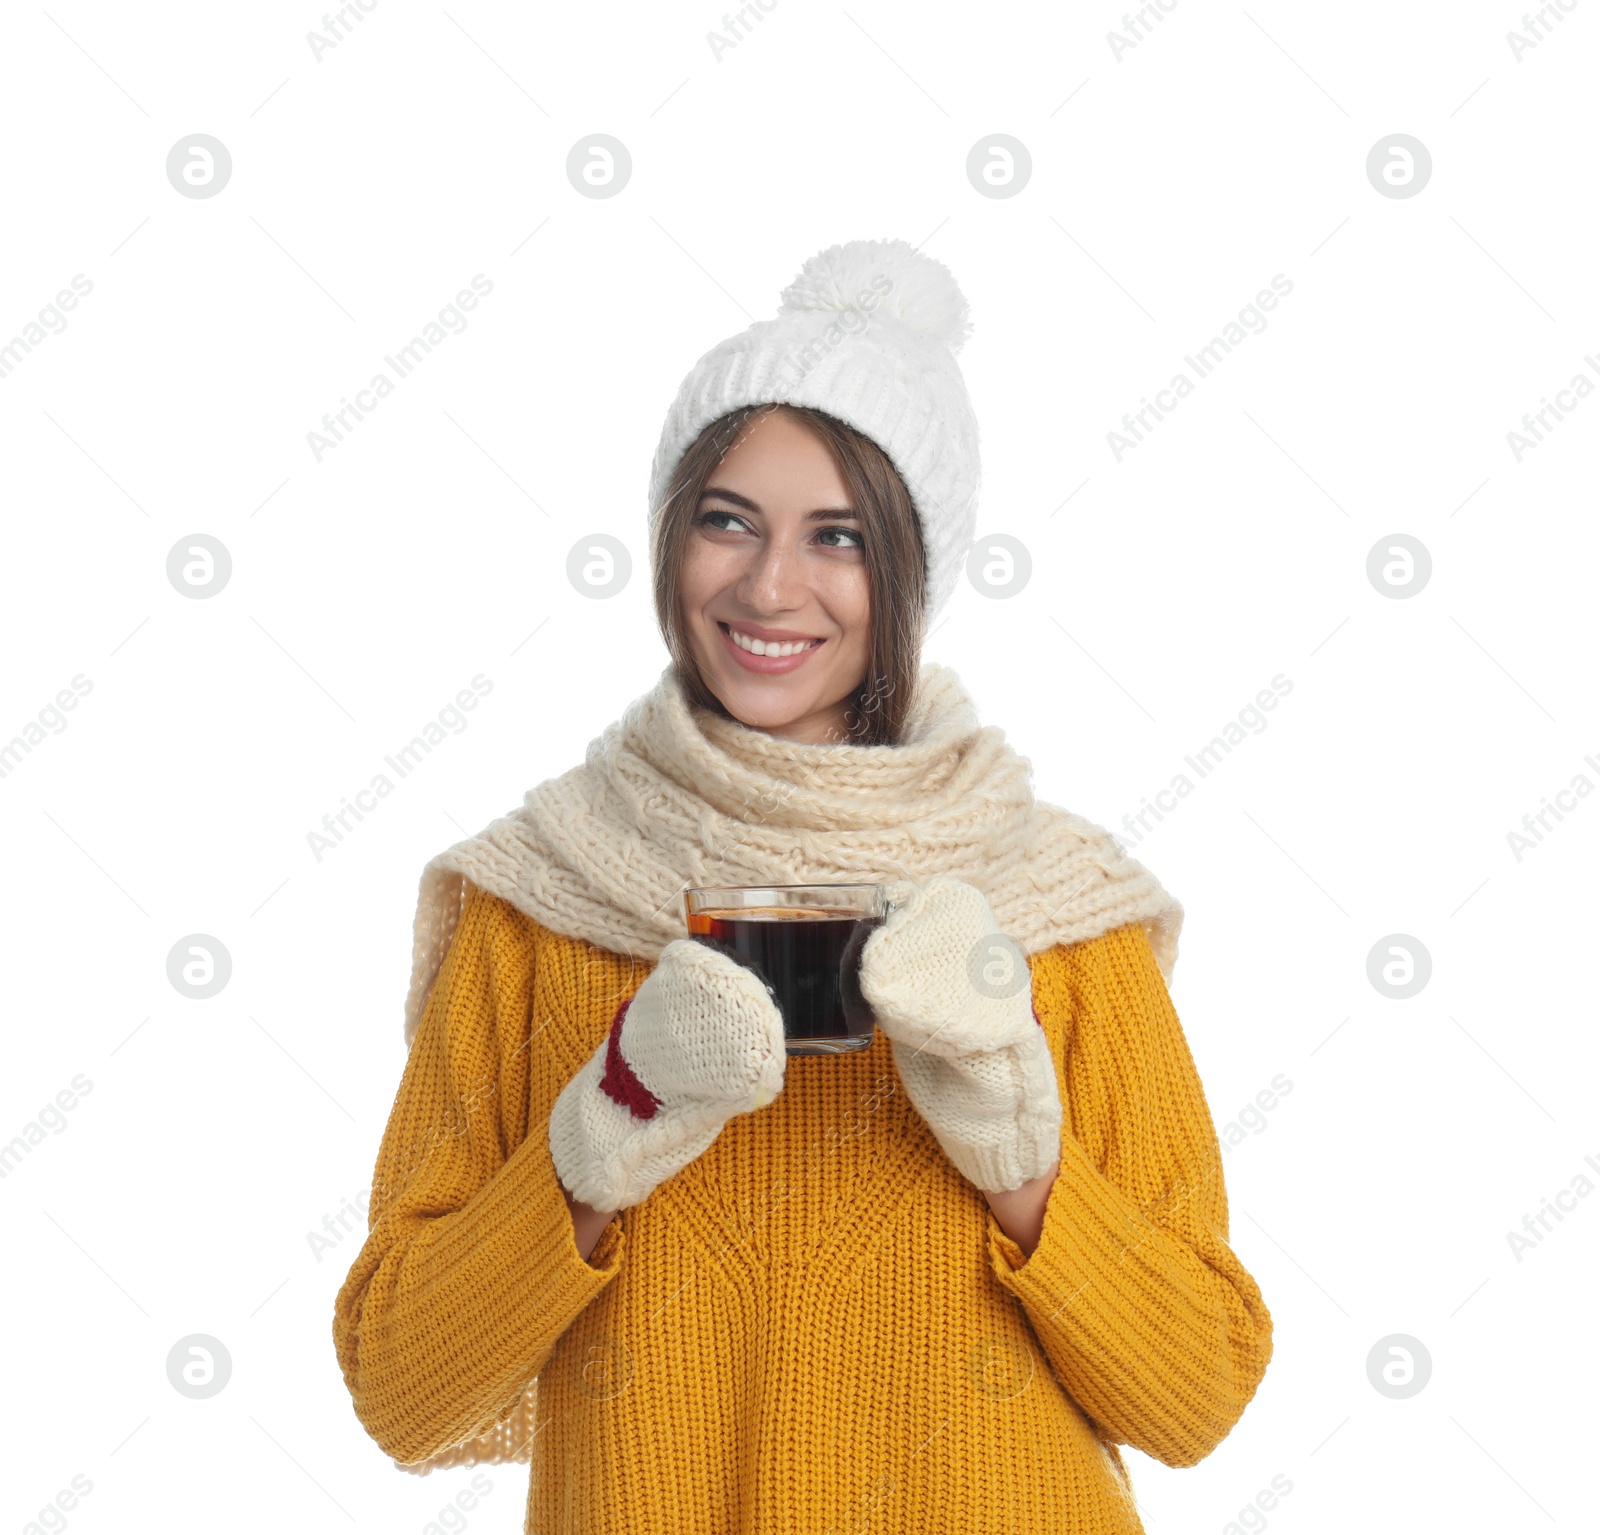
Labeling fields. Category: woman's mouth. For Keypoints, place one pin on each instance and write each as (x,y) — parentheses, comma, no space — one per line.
(774,660)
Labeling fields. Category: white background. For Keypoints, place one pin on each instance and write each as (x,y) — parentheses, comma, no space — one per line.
(1169,185)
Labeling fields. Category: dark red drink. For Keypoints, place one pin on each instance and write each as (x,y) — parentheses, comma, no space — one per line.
(810,958)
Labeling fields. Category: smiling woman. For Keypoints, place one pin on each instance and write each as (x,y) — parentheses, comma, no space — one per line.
(615,1229)
(783,523)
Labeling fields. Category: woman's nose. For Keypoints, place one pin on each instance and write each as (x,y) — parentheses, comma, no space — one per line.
(773,578)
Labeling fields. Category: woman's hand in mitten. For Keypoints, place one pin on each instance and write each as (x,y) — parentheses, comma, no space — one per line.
(955,998)
(700,1041)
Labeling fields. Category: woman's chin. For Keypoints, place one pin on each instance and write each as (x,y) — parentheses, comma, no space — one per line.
(765,703)
(779,704)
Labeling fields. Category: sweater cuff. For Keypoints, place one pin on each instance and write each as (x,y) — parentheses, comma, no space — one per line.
(1006,1256)
(460,1323)
(607,1253)
(1100,1264)
(1090,1228)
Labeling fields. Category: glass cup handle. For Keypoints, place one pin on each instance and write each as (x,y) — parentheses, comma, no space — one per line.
(895,895)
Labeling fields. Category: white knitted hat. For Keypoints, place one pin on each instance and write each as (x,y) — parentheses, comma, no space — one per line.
(867,332)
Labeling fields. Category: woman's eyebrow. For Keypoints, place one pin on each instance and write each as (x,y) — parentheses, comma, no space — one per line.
(820,515)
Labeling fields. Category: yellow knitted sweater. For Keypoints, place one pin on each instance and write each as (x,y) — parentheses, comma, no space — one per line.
(817,1326)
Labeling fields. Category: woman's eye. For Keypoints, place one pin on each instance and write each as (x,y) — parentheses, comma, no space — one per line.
(735,523)
(705,519)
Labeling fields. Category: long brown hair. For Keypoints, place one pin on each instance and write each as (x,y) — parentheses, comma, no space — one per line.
(896,563)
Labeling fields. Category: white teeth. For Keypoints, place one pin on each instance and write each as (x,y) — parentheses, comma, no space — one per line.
(767,647)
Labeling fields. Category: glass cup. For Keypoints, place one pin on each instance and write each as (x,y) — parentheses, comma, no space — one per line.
(805,942)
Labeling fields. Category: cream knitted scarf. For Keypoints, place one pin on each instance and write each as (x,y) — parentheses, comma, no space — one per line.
(672,796)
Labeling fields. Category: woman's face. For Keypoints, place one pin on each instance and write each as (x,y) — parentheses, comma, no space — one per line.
(774,555)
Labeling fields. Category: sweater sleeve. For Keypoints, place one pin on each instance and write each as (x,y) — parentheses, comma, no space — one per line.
(1148,1319)
(470,1272)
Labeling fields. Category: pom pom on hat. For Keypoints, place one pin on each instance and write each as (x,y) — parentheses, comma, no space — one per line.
(887,277)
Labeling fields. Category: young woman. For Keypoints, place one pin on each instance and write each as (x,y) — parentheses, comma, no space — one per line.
(704,1286)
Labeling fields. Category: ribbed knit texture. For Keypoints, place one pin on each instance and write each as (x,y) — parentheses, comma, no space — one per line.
(818,1324)
(953,997)
(701,1041)
(868,333)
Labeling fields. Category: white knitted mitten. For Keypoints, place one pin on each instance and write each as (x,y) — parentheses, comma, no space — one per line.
(956,1000)
(700,1041)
